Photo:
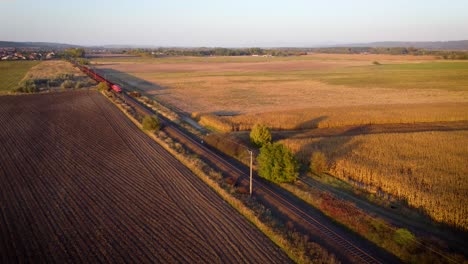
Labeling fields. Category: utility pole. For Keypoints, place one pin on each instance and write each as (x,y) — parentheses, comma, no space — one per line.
(251,161)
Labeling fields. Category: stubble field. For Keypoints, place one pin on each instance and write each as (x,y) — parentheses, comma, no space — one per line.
(81,183)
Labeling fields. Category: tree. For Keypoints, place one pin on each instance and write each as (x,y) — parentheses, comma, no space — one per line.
(151,123)
(260,135)
(277,163)
(83,61)
(318,162)
(74,53)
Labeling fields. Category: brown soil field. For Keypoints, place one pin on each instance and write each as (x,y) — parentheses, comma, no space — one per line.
(81,183)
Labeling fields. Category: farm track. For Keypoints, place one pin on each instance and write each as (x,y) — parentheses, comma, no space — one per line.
(80,183)
(348,245)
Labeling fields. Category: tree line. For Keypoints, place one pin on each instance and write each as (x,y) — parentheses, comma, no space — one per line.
(205,52)
(443,54)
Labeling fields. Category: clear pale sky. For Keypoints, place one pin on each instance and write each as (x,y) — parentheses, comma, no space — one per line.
(232,23)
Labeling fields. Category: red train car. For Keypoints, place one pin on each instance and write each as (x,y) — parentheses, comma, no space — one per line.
(116,88)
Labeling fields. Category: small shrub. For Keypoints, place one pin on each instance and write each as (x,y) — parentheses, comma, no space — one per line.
(53,83)
(260,135)
(67,84)
(27,86)
(18,89)
(318,162)
(403,237)
(102,86)
(376,63)
(91,82)
(151,123)
(79,85)
(83,61)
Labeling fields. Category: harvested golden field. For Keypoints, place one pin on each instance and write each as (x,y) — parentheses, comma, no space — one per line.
(253,85)
(427,169)
(51,69)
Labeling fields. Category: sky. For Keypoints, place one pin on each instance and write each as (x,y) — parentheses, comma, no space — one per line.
(232,23)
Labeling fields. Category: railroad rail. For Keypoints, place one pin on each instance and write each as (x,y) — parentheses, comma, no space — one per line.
(347,247)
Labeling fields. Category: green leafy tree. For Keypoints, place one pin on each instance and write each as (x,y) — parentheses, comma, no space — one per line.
(318,162)
(83,61)
(151,123)
(277,163)
(260,135)
(74,53)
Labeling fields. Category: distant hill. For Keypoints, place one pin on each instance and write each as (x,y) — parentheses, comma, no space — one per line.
(42,45)
(431,45)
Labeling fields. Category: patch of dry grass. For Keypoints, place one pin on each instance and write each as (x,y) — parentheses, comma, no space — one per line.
(51,69)
(427,169)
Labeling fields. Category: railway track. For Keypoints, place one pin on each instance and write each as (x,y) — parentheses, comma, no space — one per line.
(347,246)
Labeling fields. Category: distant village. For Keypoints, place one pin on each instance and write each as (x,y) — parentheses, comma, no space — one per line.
(8,54)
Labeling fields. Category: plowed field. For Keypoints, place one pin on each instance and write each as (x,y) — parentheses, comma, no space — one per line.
(80,183)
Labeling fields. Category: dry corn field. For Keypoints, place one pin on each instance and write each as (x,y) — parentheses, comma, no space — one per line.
(352,115)
(427,169)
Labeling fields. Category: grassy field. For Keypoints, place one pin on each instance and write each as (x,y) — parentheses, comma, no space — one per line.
(427,169)
(450,76)
(12,72)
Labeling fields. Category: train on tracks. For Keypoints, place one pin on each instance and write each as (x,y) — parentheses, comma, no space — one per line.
(96,76)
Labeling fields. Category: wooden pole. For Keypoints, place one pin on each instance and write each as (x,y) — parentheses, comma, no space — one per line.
(251,161)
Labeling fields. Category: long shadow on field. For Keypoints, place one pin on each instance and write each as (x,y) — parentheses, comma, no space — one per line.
(130,82)
(313,123)
(334,147)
